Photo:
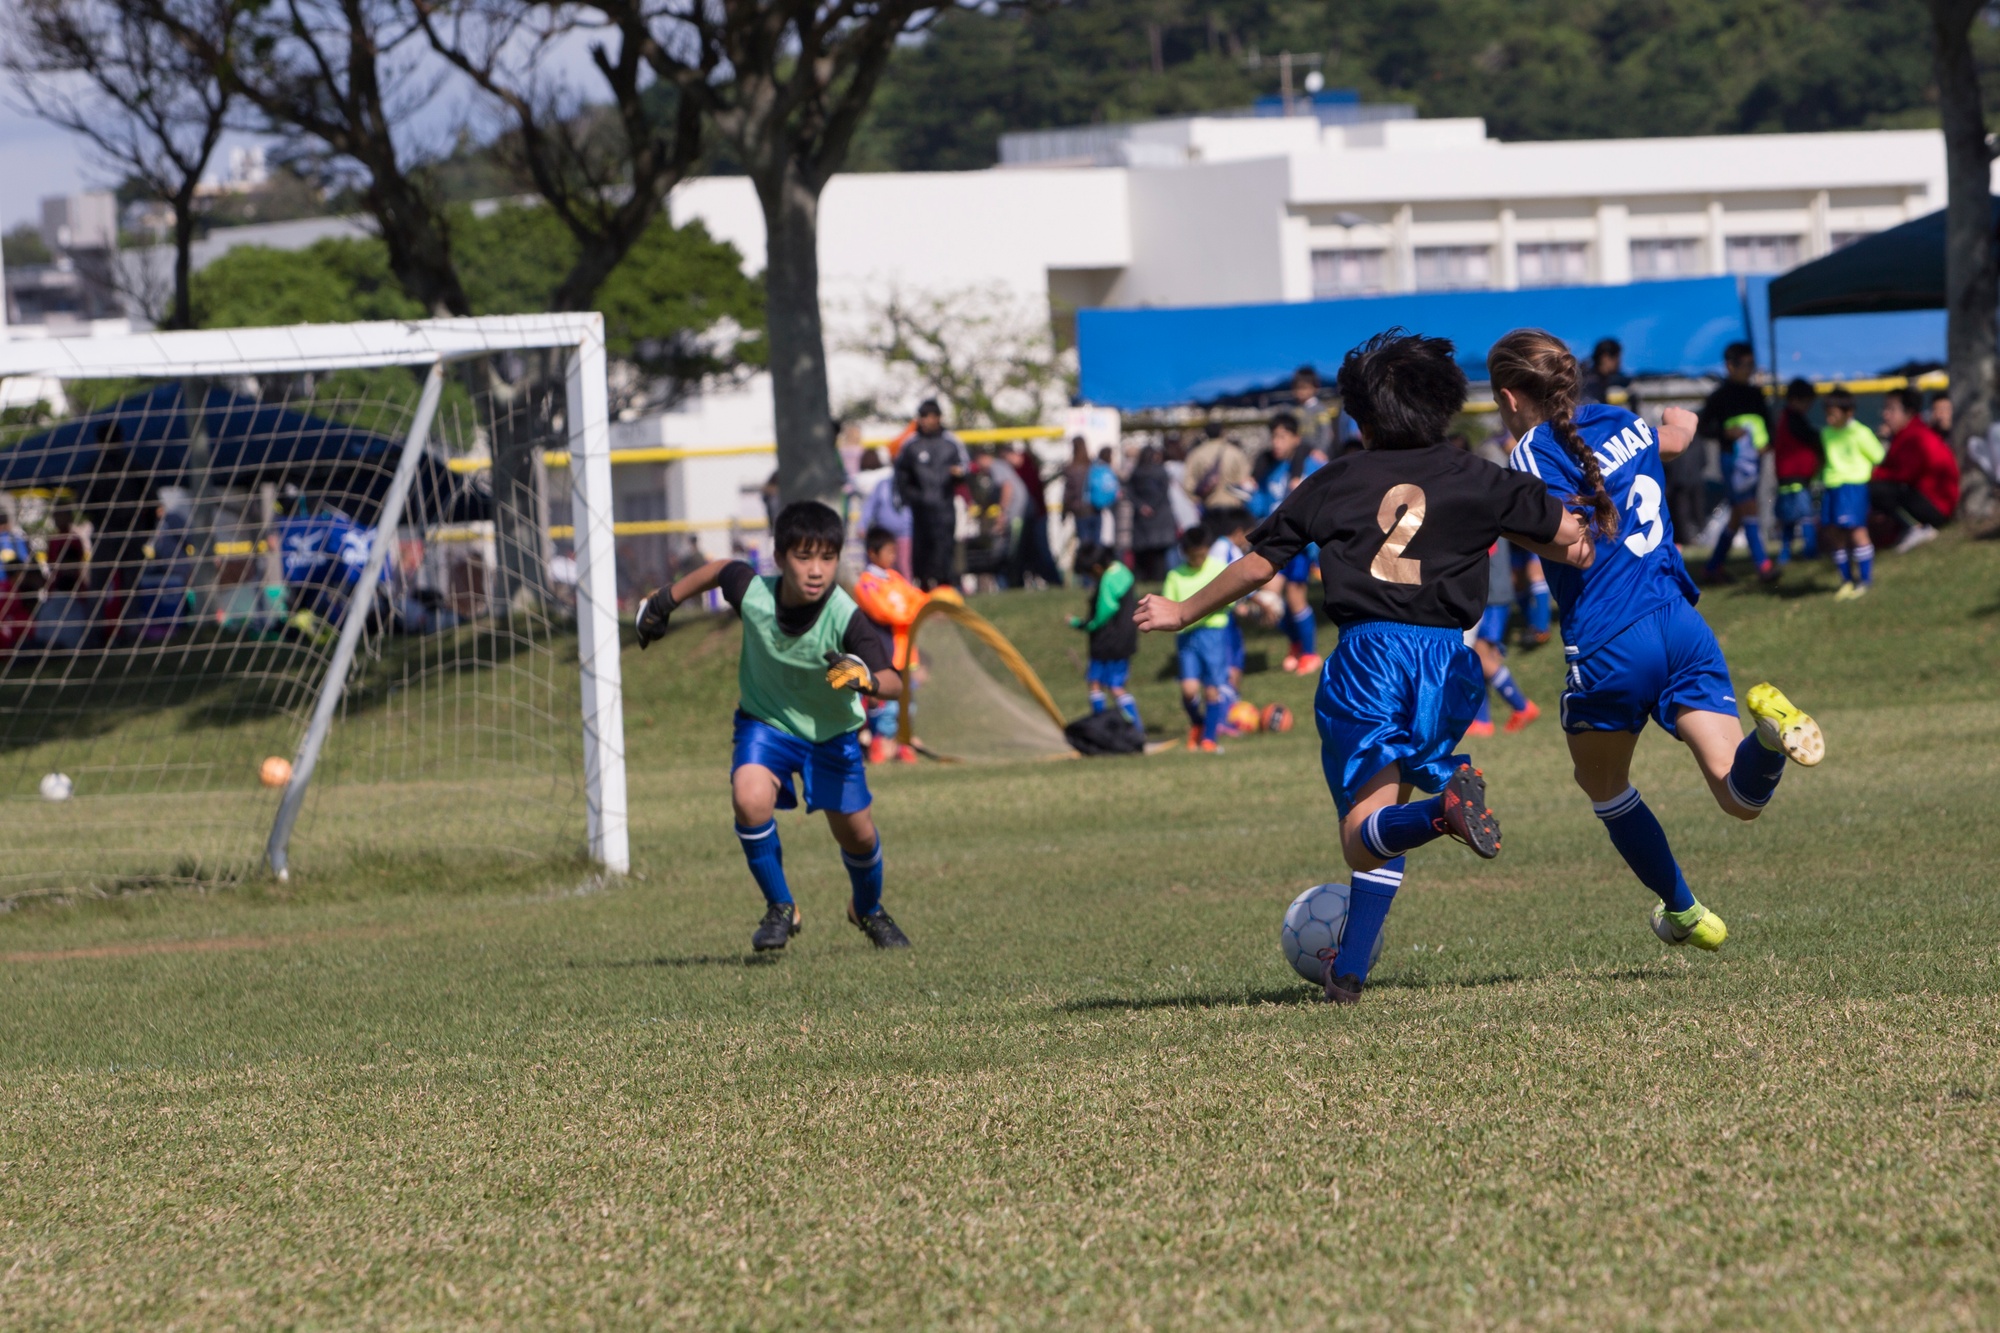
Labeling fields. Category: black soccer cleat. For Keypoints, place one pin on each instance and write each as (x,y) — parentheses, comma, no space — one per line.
(781,922)
(881,930)
(1342,989)
(1465,815)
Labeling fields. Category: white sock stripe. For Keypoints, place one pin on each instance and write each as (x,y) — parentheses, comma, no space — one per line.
(873,858)
(753,835)
(1741,799)
(1376,878)
(1371,836)
(1618,805)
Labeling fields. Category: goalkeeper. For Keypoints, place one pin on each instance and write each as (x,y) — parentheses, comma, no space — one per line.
(809,656)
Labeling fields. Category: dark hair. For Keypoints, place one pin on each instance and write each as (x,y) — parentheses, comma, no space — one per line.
(1094,558)
(1940,396)
(1606,347)
(1104,455)
(805,523)
(1841,398)
(1736,352)
(871,458)
(877,538)
(1223,521)
(1911,399)
(929,408)
(1403,388)
(1305,373)
(1800,388)
(1197,538)
(1538,365)
(1285,421)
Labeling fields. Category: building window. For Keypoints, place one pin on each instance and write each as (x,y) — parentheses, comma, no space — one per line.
(1347,273)
(1553,263)
(1666,259)
(1444,268)
(1761,254)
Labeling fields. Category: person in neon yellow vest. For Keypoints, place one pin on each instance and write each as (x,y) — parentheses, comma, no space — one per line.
(808,657)
(1203,647)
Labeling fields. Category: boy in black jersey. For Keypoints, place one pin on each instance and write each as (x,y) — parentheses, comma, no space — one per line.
(1403,527)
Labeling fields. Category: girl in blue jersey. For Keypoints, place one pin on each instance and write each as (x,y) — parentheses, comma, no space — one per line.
(1634,645)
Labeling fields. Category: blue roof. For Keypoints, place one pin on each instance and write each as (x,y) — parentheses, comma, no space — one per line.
(1134,359)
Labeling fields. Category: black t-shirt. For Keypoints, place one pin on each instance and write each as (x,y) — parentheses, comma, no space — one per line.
(1731,398)
(1403,533)
(861,637)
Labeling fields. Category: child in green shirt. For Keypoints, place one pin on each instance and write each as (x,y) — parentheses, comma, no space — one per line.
(808,657)
(1113,637)
(1852,450)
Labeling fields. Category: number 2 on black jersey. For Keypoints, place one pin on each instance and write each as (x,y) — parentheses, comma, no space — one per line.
(1401,516)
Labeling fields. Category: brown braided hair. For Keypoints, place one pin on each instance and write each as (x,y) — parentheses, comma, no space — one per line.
(1539,366)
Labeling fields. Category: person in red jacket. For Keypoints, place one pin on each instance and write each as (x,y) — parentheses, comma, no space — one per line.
(1918,480)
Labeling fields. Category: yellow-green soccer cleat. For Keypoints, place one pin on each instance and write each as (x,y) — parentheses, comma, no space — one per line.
(1705,931)
(1784,727)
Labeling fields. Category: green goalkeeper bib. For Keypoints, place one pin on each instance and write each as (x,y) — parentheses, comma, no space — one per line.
(781,678)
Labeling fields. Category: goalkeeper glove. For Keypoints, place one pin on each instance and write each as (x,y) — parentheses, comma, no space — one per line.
(651,621)
(845,671)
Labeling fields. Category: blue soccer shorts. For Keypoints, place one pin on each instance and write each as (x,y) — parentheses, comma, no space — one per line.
(1111,675)
(1204,655)
(835,772)
(1654,667)
(1493,625)
(1395,694)
(1739,473)
(1845,506)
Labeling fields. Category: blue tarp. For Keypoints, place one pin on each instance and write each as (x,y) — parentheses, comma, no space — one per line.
(1133,359)
(1843,347)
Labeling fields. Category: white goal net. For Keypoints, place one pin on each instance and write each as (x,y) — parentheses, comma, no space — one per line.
(318,598)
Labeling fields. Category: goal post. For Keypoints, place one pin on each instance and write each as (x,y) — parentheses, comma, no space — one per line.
(270,394)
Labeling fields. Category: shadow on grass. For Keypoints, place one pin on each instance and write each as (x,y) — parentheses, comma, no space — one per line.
(694,960)
(1304,994)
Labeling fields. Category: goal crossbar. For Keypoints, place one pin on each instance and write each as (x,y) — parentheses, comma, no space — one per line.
(325,347)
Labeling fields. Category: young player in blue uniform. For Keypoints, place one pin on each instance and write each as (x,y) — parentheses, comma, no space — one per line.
(809,655)
(1403,527)
(1276,474)
(1635,646)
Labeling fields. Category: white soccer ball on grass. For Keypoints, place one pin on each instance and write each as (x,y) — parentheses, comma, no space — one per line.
(57,787)
(1315,921)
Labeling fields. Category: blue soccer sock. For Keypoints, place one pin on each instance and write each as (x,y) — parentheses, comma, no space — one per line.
(1305,631)
(1841,564)
(1754,775)
(1395,829)
(1864,563)
(1538,606)
(1228,696)
(1786,531)
(1288,622)
(1192,706)
(1510,690)
(1809,540)
(1097,698)
(1130,708)
(1369,898)
(1636,833)
(1211,719)
(865,874)
(766,856)
(1753,532)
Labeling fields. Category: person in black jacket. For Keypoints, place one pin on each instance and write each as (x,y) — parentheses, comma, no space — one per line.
(1153,528)
(1736,396)
(1114,638)
(928,469)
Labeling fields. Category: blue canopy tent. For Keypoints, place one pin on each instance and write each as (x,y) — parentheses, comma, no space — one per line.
(144,442)
(1134,359)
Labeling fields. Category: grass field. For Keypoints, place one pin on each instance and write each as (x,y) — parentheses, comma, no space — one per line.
(419,1091)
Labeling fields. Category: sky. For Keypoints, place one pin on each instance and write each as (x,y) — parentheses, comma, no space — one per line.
(36,159)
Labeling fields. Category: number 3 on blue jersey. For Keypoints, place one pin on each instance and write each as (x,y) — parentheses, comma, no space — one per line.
(1644,500)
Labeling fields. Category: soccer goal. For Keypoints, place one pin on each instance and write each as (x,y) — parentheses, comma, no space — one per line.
(321,597)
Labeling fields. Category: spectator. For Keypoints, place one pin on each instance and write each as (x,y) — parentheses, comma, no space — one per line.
(1186,514)
(1076,505)
(1687,485)
(1105,491)
(1153,530)
(1852,451)
(1940,419)
(1012,497)
(1316,429)
(1218,473)
(1798,456)
(1607,373)
(1918,481)
(1032,555)
(15,553)
(882,507)
(928,471)
(68,555)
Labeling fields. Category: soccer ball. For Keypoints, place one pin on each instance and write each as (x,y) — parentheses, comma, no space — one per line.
(276,771)
(1243,716)
(57,787)
(1316,920)
(1277,717)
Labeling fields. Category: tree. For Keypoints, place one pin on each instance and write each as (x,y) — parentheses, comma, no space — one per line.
(153,107)
(1972,251)
(986,354)
(785,83)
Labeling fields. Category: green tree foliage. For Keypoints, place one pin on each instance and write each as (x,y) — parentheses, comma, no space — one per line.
(1535,69)
(679,305)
